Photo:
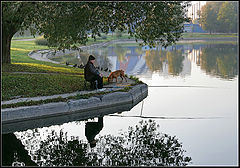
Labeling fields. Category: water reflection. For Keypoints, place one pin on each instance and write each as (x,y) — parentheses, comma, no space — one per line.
(121,53)
(159,59)
(14,152)
(141,145)
(92,129)
(219,60)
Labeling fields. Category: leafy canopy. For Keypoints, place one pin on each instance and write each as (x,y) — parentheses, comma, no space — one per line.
(67,23)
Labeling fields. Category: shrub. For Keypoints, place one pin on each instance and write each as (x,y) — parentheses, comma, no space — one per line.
(41,41)
(104,37)
(119,34)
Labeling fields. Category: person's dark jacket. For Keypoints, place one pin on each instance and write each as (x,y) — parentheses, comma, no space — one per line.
(90,71)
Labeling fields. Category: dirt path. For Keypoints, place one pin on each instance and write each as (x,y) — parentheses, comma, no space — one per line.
(23,39)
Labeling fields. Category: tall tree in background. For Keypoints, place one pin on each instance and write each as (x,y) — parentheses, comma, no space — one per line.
(228,17)
(67,23)
(209,16)
(221,17)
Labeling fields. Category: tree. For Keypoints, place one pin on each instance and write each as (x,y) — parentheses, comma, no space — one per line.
(65,24)
(228,17)
(209,16)
(220,17)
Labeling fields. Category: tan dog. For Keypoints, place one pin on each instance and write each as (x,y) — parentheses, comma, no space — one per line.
(115,75)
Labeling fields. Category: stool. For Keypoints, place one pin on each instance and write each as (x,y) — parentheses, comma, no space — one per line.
(91,84)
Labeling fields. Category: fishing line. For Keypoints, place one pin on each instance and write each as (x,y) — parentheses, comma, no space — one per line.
(149,117)
(184,86)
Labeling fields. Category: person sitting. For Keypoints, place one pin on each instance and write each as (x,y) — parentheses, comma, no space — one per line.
(92,75)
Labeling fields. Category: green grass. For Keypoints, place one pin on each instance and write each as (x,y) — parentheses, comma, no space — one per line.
(31,85)
(40,68)
(24,37)
(206,42)
(57,79)
(207,35)
(137,81)
(60,99)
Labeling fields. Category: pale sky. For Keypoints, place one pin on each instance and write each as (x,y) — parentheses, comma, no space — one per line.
(196,5)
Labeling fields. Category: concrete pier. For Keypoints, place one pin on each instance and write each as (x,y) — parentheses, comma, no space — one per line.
(29,117)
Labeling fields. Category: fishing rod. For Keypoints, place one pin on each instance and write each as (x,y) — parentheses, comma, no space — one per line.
(154,117)
(184,86)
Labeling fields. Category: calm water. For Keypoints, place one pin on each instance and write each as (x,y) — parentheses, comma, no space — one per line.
(192,97)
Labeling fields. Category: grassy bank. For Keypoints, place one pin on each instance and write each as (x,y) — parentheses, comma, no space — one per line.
(60,99)
(27,77)
(207,35)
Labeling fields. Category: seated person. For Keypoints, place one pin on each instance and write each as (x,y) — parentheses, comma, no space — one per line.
(92,75)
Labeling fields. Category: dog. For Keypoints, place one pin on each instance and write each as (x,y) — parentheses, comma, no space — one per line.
(115,75)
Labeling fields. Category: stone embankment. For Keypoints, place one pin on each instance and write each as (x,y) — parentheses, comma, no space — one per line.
(21,118)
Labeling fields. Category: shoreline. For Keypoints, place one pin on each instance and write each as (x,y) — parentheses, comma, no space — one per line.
(14,119)
(45,54)
(27,117)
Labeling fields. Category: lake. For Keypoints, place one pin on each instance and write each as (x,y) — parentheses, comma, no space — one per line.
(190,116)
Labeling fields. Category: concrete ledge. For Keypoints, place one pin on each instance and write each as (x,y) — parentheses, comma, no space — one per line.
(15,119)
(83,104)
(14,114)
(139,92)
(116,98)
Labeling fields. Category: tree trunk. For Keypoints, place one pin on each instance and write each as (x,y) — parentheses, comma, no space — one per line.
(6,44)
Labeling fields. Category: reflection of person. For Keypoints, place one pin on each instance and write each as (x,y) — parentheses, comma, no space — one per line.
(91,74)
(92,129)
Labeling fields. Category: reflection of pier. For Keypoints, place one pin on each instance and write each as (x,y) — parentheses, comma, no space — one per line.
(194,56)
(29,117)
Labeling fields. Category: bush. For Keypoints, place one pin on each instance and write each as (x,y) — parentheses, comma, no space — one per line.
(119,34)
(41,41)
(104,37)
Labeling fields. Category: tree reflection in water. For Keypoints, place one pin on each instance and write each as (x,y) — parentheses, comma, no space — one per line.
(142,145)
(220,60)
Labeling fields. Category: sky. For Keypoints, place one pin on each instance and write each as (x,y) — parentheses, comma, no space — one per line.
(196,4)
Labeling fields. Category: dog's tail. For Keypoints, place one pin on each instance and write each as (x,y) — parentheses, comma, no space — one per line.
(109,76)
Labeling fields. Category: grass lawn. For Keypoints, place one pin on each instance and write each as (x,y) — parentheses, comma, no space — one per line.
(207,35)
(57,79)
(31,85)
(24,37)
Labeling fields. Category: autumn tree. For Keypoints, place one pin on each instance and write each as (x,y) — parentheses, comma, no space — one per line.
(228,17)
(208,18)
(221,17)
(65,24)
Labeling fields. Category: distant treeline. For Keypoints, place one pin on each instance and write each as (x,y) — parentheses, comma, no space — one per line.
(220,17)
